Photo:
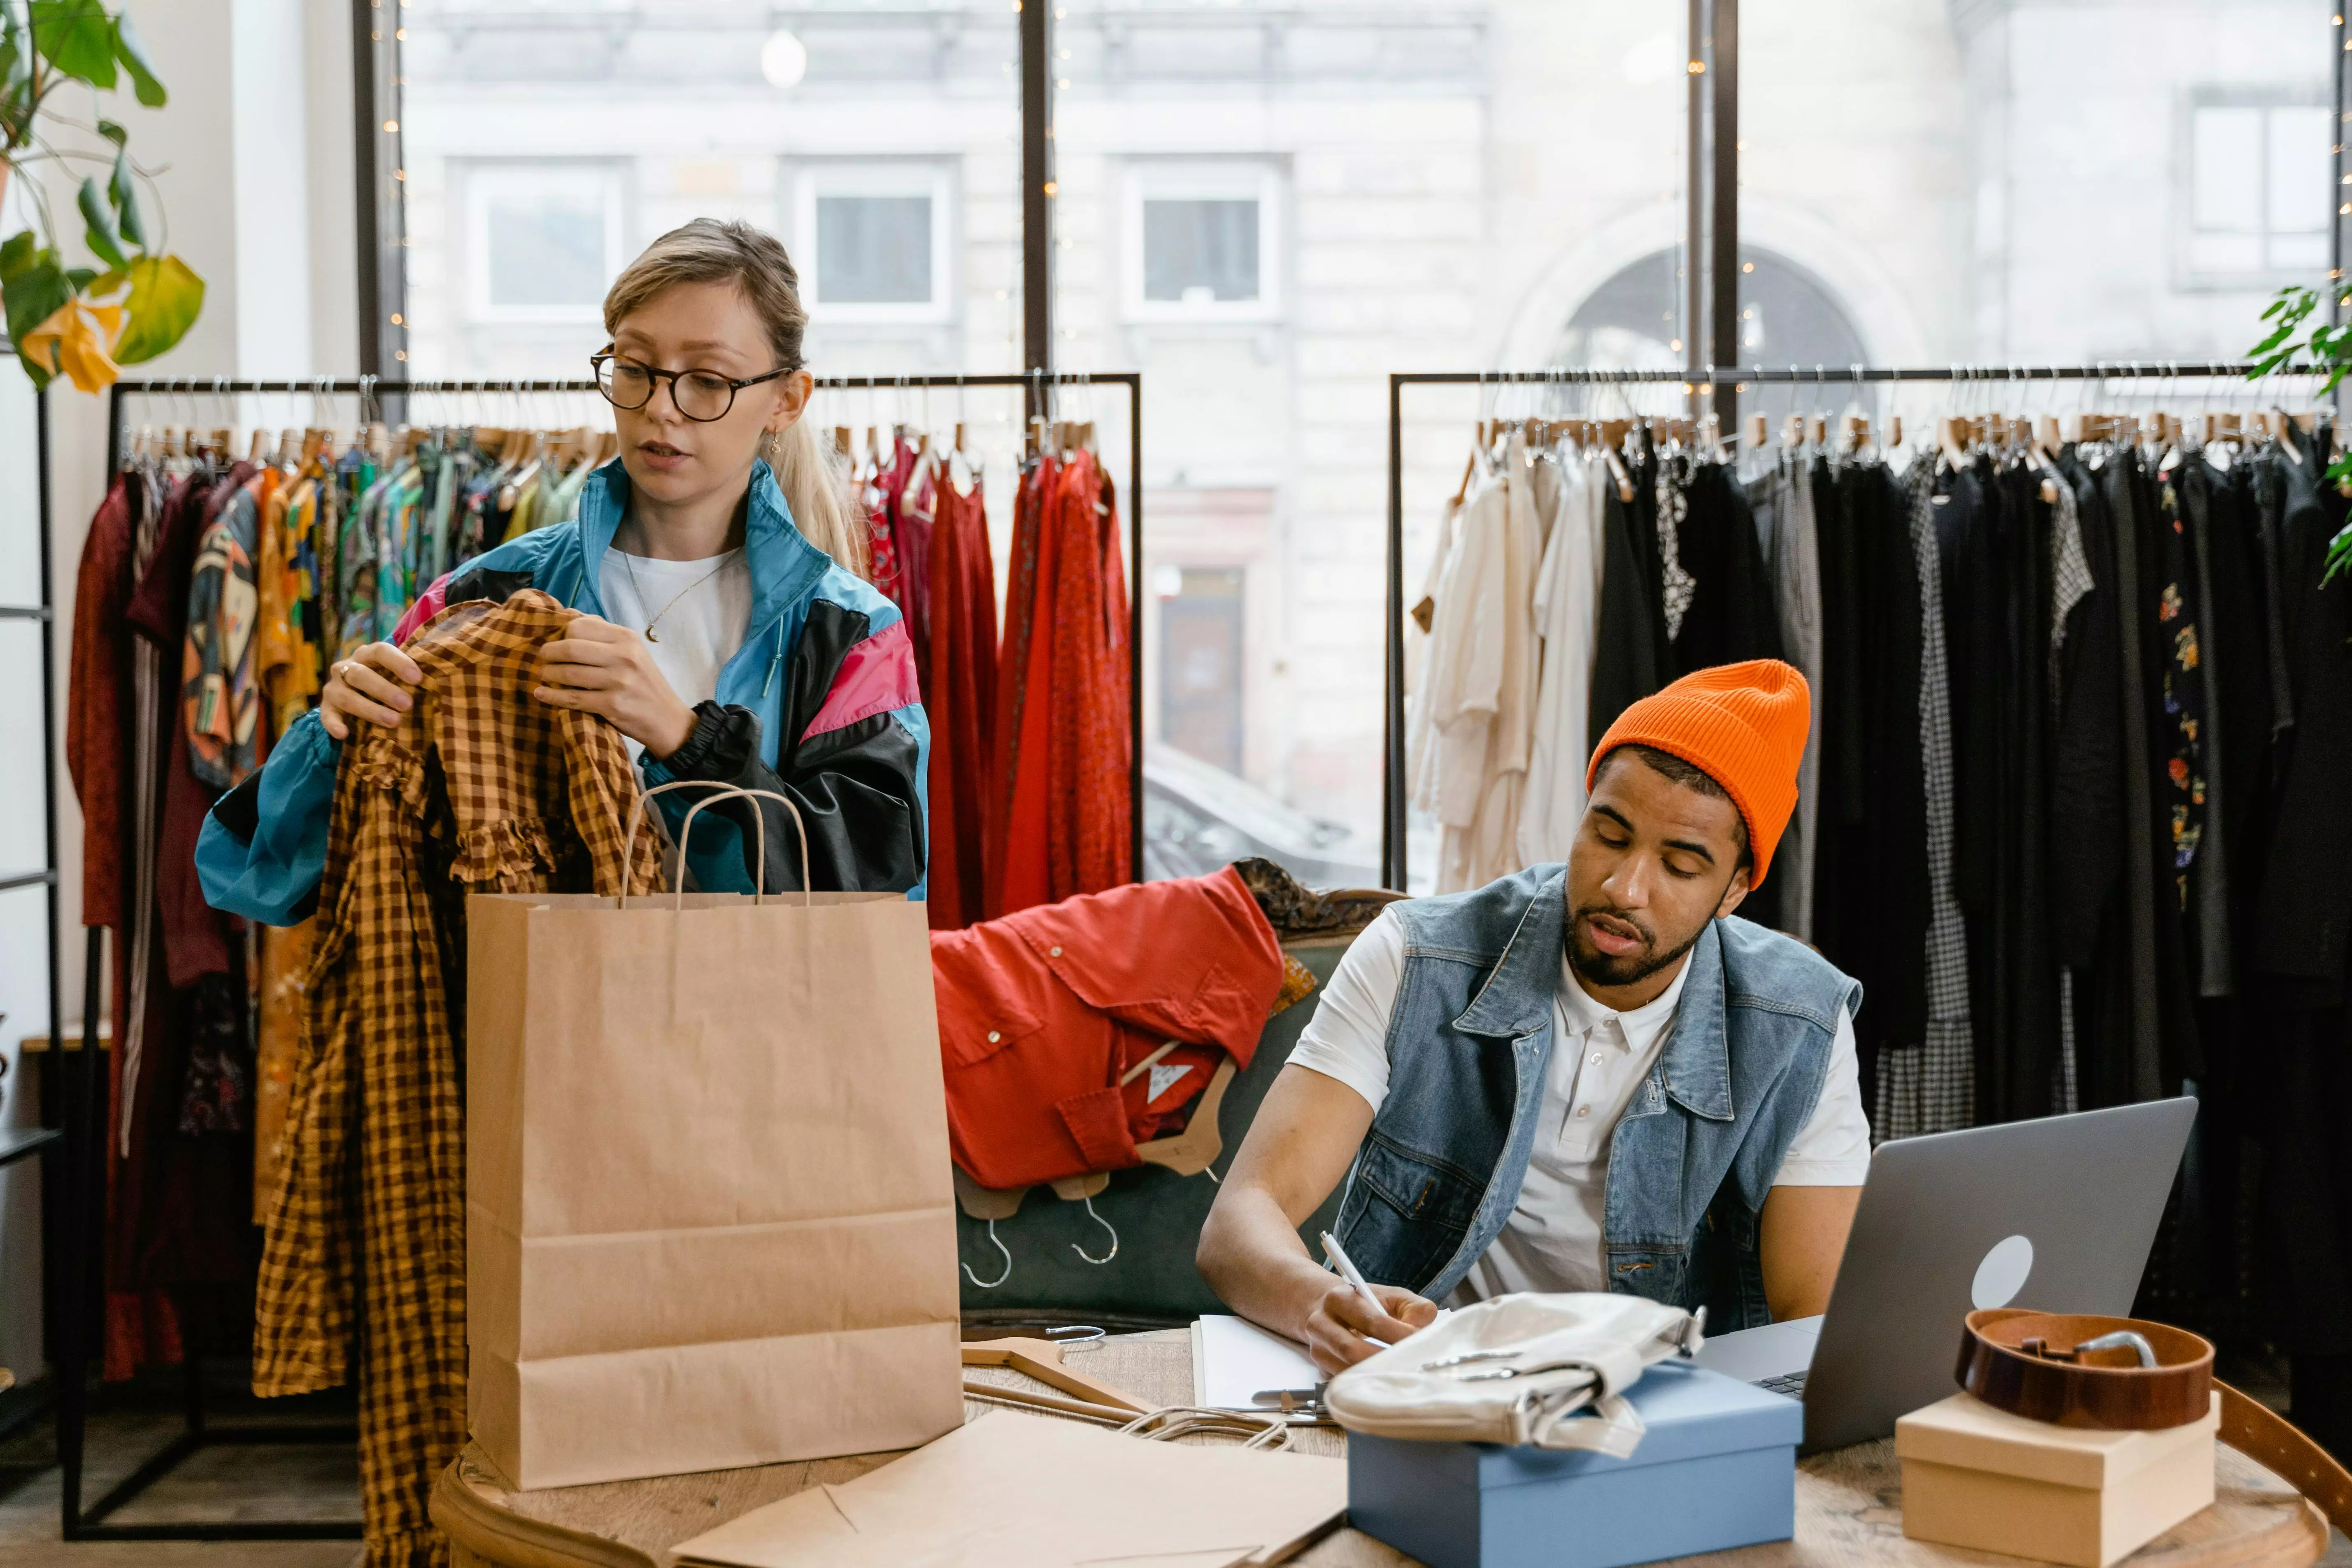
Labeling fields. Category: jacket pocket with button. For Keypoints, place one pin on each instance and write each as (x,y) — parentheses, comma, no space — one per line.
(988,1000)
(1407,1209)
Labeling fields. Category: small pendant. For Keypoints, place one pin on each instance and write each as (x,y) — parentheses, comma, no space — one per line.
(649,634)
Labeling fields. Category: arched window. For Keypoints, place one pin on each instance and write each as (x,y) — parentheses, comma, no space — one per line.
(1786,316)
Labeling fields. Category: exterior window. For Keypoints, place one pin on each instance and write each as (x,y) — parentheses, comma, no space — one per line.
(1201,663)
(1200,250)
(874,243)
(1202,244)
(542,242)
(2258,193)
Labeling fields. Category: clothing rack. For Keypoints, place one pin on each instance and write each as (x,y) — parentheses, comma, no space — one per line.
(1694,383)
(80,1203)
(43,1142)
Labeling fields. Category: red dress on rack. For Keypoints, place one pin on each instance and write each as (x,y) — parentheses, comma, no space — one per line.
(1064,696)
(1089,842)
(1018,870)
(959,700)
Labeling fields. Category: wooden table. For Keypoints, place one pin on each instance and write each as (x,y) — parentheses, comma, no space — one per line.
(1849,1502)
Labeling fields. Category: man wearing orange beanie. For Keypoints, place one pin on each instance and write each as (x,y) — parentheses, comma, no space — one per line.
(1582,1077)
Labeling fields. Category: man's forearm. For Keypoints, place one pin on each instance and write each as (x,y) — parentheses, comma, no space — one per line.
(1252,1257)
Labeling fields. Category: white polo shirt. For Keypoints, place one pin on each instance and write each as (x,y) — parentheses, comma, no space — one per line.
(1599,1057)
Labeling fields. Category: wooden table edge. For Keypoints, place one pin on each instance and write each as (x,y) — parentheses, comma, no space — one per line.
(500,1537)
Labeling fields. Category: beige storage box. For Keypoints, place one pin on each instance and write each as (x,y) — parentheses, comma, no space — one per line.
(1976,1477)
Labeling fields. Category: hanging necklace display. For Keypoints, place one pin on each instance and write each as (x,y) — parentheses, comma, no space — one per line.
(630,567)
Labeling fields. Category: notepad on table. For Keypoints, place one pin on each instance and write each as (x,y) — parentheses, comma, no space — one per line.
(1233,1360)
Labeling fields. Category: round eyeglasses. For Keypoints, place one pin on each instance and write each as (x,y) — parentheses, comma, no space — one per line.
(702,395)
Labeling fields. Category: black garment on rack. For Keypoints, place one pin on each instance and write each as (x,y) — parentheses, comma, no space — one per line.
(1632,654)
(1870,880)
(2296,964)
(2131,504)
(1995,531)
(2306,925)
(2170,601)
(1734,614)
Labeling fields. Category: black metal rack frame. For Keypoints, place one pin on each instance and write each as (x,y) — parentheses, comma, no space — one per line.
(44,1144)
(1394,790)
(80,1206)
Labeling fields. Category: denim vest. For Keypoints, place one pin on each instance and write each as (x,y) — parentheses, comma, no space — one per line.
(1697,1150)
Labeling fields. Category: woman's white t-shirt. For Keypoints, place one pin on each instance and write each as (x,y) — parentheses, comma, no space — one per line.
(1599,1057)
(698,632)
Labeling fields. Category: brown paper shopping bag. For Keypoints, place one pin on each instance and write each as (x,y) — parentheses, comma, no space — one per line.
(709,1215)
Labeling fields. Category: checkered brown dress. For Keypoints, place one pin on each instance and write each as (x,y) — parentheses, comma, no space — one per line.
(482,790)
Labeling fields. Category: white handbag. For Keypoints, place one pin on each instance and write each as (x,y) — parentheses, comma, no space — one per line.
(1518,1370)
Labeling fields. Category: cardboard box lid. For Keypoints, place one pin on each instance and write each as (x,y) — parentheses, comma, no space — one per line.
(1966,1432)
(1691,1412)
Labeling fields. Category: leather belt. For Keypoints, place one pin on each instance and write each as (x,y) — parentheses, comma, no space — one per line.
(2091,1371)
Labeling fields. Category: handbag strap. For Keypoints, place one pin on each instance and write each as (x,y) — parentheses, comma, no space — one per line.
(719,792)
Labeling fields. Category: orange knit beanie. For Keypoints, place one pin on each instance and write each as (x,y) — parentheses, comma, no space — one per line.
(1741,724)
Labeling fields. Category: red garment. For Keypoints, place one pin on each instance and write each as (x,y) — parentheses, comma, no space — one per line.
(1091,835)
(959,700)
(918,524)
(882,516)
(176,1207)
(1063,702)
(1018,876)
(1043,1012)
(98,704)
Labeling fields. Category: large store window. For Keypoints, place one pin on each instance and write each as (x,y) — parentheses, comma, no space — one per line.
(545,145)
(2038,182)
(1266,207)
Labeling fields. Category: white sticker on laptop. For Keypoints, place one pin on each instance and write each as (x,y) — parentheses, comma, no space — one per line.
(2002,1273)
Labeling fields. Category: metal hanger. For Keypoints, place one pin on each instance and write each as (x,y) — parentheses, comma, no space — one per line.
(1081,1251)
(998,1242)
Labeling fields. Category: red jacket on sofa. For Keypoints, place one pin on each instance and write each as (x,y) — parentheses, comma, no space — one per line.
(1043,1012)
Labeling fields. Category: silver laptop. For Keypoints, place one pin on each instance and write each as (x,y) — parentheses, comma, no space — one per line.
(2056,1215)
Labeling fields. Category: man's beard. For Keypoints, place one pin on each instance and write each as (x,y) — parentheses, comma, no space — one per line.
(1601,969)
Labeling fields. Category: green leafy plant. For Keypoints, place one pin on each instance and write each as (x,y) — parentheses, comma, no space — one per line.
(84,321)
(2293,341)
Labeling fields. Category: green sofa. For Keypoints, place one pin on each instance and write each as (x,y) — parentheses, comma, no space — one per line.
(1158,1215)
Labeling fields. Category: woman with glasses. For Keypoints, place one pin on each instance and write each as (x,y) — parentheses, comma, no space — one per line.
(724,627)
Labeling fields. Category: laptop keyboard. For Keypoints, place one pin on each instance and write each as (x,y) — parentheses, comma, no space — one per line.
(1791,1384)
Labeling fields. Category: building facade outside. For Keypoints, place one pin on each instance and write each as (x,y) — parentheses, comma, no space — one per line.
(1266,208)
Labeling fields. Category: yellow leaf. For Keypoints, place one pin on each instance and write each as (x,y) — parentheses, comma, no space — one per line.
(78,340)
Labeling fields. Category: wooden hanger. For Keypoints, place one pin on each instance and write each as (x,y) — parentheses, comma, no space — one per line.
(1042,1359)
(1624,480)
(1461,490)
(1894,430)
(1951,440)
(1195,1148)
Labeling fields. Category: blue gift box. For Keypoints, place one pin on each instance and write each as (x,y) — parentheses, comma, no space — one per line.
(1716,1469)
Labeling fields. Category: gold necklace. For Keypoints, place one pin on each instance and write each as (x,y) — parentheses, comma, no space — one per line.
(629,565)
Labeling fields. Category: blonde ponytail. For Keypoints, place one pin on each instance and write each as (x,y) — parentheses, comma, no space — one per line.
(816,486)
(813,476)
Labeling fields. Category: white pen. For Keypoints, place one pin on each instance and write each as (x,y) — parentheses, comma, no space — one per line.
(1350,1273)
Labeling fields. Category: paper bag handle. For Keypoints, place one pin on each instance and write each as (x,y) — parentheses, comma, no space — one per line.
(722,792)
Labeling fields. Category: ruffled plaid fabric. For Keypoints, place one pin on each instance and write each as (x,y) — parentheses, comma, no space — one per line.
(483,790)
